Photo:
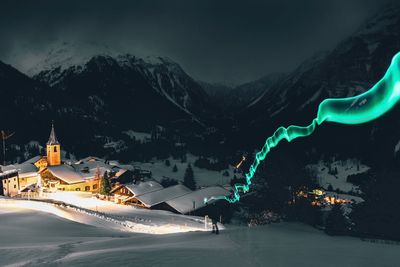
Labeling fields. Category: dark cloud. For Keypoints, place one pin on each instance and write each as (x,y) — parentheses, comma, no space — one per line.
(230,41)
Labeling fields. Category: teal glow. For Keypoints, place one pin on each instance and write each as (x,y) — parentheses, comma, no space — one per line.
(363,108)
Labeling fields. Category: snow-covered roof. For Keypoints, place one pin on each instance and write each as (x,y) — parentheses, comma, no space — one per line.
(33,160)
(163,195)
(141,188)
(88,167)
(23,169)
(5,174)
(118,171)
(31,187)
(66,173)
(195,200)
(90,159)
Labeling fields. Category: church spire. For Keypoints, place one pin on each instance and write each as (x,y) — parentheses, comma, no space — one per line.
(52,138)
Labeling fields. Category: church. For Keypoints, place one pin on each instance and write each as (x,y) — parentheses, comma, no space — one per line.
(55,175)
(51,173)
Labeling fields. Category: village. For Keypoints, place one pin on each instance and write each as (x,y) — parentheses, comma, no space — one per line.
(107,182)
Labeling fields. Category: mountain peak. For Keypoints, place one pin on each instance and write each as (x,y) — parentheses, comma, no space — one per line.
(381,21)
(64,55)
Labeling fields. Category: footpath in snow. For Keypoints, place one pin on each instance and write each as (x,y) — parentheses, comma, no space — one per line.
(82,208)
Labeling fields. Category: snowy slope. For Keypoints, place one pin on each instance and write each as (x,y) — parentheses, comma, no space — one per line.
(339,179)
(91,211)
(203,177)
(46,240)
(138,136)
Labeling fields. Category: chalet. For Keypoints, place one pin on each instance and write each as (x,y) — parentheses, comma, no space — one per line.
(129,193)
(17,177)
(67,178)
(195,200)
(177,198)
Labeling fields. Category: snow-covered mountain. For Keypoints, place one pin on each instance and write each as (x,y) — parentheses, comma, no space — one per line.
(351,68)
(236,98)
(107,75)
(99,94)
(63,55)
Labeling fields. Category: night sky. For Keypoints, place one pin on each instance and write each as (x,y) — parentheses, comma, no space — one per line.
(216,41)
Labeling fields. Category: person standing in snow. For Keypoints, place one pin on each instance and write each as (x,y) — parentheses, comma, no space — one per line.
(215,226)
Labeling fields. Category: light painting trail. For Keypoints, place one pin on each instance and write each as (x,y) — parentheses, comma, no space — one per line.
(240,163)
(363,108)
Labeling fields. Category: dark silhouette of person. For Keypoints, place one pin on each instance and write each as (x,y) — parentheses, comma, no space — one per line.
(215,226)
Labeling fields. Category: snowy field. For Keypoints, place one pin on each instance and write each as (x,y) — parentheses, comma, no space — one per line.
(338,180)
(34,238)
(84,208)
(203,177)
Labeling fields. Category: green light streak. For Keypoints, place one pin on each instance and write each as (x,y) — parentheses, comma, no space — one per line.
(363,108)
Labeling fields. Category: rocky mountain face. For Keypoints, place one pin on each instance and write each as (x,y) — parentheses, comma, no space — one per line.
(232,99)
(351,68)
(125,89)
(97,97)
(102,93)
(25,103)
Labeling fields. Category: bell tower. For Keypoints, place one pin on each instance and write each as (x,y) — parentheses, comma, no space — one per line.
(53,149)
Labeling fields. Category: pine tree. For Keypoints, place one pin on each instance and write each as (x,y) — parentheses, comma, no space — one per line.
(183,158)
(167,182)
(336,222)
(105,187)
(188,179)
(175,168)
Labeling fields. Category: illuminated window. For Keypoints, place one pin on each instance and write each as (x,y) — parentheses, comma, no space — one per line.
(15,186)
(95,186)
(78,189)
(87,188)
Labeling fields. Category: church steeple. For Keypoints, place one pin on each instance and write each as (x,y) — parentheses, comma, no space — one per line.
(52,139)
(53,148)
